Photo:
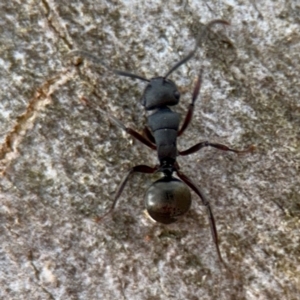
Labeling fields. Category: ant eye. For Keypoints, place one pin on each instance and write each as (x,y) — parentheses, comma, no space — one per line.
(176,95)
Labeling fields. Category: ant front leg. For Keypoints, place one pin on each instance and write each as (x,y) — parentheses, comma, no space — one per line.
(130,131)
(117,122)
(136,169)
(189,115)
(212,222)
(222,147)
(148,134)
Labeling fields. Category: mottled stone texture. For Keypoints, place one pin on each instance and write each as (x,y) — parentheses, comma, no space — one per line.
(62,160)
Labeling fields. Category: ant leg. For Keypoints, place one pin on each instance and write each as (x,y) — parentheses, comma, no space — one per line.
(190,112)
(149,135)
(201,145)
(205,202)
(136,169)
(130,131)
(117,122)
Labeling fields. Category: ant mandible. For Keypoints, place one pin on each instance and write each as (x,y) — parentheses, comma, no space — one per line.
(167,198)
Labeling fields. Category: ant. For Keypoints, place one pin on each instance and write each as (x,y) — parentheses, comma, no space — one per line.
(167,198)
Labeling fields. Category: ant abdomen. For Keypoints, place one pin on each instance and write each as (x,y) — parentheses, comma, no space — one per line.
(167,199)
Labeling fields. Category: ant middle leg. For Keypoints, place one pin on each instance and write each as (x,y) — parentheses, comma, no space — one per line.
(189,115)
(136,169)
(222,147)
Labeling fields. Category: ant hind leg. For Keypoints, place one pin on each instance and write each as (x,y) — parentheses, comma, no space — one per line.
(136,169)
(212,222)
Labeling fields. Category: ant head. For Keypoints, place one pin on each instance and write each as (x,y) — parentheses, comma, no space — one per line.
(167,199)
(160,92)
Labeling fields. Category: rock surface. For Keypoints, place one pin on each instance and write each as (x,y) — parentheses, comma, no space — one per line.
(62,161)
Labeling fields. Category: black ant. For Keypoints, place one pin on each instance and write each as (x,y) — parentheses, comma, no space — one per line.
(167,198)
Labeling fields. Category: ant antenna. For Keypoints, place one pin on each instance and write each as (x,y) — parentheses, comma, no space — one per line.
(96,59)
(198,40)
